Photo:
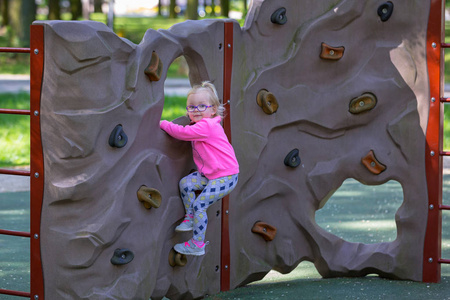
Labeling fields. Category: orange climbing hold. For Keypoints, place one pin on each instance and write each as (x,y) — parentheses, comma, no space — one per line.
(267,101)
(362,103)
(149,197)
(154,69)
(372,164)
(267,231)
(331,53)
(177,259)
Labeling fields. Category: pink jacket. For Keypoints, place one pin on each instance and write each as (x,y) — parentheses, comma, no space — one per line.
(213,154)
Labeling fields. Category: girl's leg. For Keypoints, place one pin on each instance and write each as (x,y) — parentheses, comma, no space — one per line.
(188,185)
(215,190)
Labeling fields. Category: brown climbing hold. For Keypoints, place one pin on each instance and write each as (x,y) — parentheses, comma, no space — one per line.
(331,53)
(154,68)
(362,103)
(267,231)
(149,197)
(372,164)
(177,259)
(267,101)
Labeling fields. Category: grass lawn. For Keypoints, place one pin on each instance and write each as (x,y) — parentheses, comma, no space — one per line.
(15,131)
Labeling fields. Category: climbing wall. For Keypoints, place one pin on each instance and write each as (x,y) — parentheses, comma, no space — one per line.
(321,91)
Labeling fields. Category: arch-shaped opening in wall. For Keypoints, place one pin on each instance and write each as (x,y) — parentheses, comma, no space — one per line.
(361,213)
(176,88)
(184,70)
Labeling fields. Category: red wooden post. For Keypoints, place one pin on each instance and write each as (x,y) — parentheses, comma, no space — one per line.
(225,236)
(36,159)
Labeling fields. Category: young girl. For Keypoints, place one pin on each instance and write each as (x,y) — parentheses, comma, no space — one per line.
(217,167)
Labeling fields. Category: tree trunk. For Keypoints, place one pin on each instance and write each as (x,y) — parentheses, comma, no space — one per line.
(110,20)
(54,10)
(224,8)
(86,9)
(213,8)
(172,13)
(159,8)
(191,10)
(98,6)
(76,9)
(4,7)
(21,14)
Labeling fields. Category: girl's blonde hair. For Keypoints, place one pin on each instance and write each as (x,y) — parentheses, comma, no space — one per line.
(213,97)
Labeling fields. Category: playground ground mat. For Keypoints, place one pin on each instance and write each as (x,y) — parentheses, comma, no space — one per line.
(356,212)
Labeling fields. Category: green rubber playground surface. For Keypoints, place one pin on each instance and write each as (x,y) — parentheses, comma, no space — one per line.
(356,213)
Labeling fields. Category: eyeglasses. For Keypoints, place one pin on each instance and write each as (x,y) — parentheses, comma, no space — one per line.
(200,108)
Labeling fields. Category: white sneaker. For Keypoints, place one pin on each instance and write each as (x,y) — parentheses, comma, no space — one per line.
(189,248)
(186,225)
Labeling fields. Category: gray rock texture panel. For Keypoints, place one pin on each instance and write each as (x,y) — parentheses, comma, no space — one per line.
(94,80)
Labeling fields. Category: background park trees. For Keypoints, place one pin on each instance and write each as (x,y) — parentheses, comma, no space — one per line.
(17,15)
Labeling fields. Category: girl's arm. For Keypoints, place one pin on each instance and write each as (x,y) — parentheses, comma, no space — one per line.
(197,132)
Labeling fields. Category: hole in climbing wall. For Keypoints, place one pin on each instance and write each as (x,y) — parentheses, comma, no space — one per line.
(362,213)
(176,88)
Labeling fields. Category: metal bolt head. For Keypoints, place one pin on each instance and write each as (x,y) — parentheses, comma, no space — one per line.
(433,45)
(431,206)
(36,51)
(331,52)
(36,113)
(36,297)
(430,260)
(433,99)
(432,153)
(226,266)
(36,236)
(36,175)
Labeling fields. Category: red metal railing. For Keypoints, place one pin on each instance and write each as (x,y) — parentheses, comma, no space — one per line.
(36,163)
(435,58)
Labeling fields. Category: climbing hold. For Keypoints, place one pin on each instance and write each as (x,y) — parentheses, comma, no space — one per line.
(279,16)
(118,138)
(267,101)
(363,103)
(154,68)
(122,257)
(372,164)
(177,259)
(385,11)
(331,53)
(292,159)
(149,197)
(267,231)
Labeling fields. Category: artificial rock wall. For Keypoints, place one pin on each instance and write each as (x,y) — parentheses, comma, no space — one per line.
(321,91)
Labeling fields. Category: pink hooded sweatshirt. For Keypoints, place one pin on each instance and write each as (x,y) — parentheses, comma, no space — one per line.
(213,154)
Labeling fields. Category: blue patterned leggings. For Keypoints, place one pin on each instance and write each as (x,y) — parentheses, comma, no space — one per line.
(212,191)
